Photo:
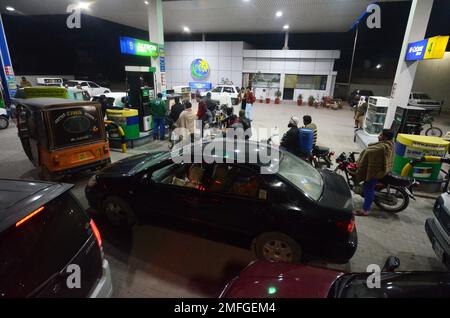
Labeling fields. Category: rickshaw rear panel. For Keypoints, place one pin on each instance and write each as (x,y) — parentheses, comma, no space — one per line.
(70,136)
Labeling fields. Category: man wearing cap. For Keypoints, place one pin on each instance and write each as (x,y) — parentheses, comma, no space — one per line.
(374,163)
(290,140)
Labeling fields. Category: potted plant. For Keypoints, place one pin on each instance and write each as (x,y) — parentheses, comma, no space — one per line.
(278,97)
(311,100)
(300,100)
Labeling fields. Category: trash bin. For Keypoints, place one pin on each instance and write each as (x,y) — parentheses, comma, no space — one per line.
(409,147)
(128,119)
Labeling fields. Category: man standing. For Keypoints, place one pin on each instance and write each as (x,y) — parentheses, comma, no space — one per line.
(243,98)
(203,112)
(360,112)
(374,163)
(290,139)
(158,110)
(176,110)
(250,101)
(186,121)
(209,103)
(25,83)
(307,121)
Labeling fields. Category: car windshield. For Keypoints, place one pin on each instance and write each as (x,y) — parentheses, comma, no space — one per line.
(421,96)
(217,90)
(302,175)
(149,160)
(394,285)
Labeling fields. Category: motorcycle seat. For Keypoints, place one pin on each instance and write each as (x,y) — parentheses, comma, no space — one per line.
(321,150)
(395,180)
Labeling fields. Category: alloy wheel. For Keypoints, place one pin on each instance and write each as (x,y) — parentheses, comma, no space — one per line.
(276,250)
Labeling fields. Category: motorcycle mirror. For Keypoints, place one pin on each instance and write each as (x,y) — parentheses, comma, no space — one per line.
(392,263)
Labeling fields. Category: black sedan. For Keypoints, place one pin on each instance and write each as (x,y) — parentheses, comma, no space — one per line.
(286,214)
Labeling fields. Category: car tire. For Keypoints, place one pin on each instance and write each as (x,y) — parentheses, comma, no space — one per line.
(4,122)
(118,212)
(273,246)
(234,101)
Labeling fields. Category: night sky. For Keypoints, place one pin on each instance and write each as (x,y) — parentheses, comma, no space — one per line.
(39,45)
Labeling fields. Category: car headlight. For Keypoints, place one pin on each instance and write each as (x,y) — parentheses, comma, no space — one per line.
(92,181)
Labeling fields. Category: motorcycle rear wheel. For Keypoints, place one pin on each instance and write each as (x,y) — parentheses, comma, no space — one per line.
(401,196)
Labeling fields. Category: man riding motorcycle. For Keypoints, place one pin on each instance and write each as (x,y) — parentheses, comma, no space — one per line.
(290,140)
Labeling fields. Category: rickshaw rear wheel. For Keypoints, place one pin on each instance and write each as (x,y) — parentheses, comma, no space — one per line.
(46,175)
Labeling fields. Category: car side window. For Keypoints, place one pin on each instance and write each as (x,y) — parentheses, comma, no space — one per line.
(217,90)
(92,84)
(84,84)
(236,181)
(228,90)
(181,175)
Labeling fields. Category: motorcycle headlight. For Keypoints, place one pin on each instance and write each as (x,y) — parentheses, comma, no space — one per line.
(92,181)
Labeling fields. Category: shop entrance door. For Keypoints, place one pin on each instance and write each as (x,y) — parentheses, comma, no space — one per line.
(290,82)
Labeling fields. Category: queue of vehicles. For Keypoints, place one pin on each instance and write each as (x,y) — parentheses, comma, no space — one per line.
(301,216)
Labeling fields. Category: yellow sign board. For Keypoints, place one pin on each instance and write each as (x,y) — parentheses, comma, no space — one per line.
(436,47)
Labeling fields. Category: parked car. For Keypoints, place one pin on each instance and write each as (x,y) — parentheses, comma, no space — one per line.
(119,100)
(438,229)
(294,212)
(233,91)
(93,88)
(45,236)
(424,100)
(279,280)
(356,95)
(78,94)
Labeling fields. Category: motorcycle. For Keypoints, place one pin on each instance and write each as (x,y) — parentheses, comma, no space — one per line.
(321,156)
(392,194)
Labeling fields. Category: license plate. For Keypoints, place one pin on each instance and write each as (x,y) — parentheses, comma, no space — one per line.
(84,156)
(438,250)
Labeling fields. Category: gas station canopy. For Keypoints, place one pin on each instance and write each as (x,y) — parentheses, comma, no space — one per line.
(214,16)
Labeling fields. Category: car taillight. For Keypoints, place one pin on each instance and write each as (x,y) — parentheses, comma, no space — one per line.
(29,216)
(347,226)
(98,237)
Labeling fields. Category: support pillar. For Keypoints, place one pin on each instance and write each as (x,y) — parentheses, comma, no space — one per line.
(406,70)
(156,31)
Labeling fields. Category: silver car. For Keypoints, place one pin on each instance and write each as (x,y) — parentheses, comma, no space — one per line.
(424,100)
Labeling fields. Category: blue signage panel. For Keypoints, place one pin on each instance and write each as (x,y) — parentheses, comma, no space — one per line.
(162,64)
(416,50)
(201,86)
(138,47)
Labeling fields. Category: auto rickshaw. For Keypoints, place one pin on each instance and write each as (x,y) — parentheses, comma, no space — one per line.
(61,136)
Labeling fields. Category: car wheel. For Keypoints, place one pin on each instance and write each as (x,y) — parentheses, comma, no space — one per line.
(4,122)
(277,247)
(118,212)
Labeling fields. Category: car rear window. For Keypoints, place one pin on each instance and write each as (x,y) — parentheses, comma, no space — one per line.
(42,246)
(73,126)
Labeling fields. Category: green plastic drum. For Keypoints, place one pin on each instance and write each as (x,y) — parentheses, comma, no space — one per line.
(410,147)
(128,119)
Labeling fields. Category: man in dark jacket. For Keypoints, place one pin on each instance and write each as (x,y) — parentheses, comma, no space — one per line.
(209,103)
(290,140)
(176,110)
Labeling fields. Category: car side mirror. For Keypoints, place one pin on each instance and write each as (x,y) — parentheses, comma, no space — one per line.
(392,263)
